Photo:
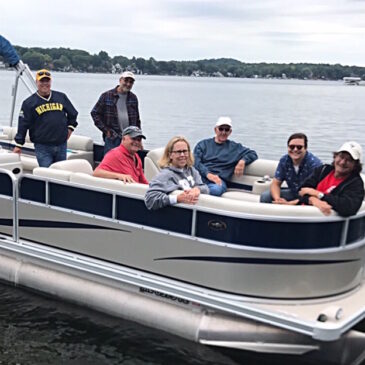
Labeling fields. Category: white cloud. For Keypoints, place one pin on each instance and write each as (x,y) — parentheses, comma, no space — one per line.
(330,31)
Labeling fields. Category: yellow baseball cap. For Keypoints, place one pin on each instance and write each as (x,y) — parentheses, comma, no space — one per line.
(41,74)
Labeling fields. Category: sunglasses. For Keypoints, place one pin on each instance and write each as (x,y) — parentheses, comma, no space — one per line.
(44,73)
(179,152)
(292,147)
(139,139)
(224,129)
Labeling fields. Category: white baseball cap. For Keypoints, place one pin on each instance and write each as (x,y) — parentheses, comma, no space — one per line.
(224,121)
(129,74)
(353,148)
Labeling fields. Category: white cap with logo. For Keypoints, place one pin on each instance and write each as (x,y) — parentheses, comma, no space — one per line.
(353,148)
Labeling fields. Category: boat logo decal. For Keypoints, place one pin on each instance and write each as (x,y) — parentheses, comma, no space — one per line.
(163,295)
(216,225)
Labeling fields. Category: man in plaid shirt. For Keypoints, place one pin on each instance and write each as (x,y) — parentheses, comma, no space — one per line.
(116,110)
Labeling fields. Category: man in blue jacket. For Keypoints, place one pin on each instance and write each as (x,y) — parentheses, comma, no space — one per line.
(50,118)
(218,158)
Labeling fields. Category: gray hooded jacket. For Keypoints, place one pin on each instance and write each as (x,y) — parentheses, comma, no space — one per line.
(168,180)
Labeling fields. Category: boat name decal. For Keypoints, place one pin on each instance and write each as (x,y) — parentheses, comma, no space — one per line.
(163,295)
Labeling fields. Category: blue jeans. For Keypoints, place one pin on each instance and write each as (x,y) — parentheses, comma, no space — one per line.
(287,194)
(217,190)
(110,143)
(47,155)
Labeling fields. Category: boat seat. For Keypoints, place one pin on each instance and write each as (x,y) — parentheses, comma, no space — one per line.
(241,195)
(256,208)
(52,173)
(111,184)
(151,167)
(78,147)
(75,165)
(253,172)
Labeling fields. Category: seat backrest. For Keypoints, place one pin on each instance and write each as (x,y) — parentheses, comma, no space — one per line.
(112,184)
(75,165)
(52,173)
(151,167)
(80,143)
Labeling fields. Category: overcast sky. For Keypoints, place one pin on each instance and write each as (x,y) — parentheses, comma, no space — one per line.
(320,31)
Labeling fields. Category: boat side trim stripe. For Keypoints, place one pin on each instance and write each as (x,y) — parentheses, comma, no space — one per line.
(254,261)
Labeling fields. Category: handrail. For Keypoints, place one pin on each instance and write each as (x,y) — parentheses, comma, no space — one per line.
(15,186)
(22,72)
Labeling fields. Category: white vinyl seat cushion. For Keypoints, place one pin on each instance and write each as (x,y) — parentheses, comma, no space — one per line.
(76,165)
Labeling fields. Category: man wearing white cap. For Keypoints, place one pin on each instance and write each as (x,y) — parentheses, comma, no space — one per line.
(218,158)
(116,110)
(338,186)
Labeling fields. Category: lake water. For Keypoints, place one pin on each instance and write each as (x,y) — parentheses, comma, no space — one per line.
(37,330)
(264,112)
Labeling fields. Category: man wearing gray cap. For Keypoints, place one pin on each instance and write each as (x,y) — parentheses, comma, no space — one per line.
(123,163)
(115,110)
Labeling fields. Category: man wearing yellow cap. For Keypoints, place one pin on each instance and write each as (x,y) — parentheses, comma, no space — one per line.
(50,118)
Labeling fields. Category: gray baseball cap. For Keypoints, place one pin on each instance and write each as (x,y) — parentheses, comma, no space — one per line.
(133,132)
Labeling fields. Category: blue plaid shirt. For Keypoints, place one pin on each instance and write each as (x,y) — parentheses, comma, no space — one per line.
(286,172)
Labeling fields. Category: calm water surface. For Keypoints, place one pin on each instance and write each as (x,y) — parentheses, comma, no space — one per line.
(264,112)
(37,330)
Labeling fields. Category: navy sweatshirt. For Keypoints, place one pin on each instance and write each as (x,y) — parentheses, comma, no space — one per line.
(48,120)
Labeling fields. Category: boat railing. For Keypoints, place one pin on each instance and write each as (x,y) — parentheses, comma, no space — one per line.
(12,188)
(116,209)
(23,73)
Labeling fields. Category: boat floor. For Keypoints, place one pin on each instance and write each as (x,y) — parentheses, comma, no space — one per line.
(325,319)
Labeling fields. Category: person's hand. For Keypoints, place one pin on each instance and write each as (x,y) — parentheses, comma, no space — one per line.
(279,201)
(240,168)
(308,191)
(187,197)
(195,192)
(322,205)
(214,178)
(108,134)
(69,132)
(125,178)
(17,150)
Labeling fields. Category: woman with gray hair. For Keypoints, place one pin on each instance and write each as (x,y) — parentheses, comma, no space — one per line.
(177,173)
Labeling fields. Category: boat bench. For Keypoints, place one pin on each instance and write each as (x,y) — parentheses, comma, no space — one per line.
(80,172)
(78,147)
(252,180)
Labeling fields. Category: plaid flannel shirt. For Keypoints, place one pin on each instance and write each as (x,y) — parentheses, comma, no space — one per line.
(105,113)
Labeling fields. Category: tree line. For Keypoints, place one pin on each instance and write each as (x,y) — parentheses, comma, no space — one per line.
(75,60)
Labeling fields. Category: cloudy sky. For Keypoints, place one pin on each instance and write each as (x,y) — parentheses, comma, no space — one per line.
(320,31)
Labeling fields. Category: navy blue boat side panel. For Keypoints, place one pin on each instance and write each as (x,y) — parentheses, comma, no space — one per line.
(34,190)
(356,230)
(268,234)
(169,218)
(83,200)
(6,185)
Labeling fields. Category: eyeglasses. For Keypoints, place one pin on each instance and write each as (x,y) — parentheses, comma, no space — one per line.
(139,138)
(224,129)
(292,147)
(44,73)
(179,152)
